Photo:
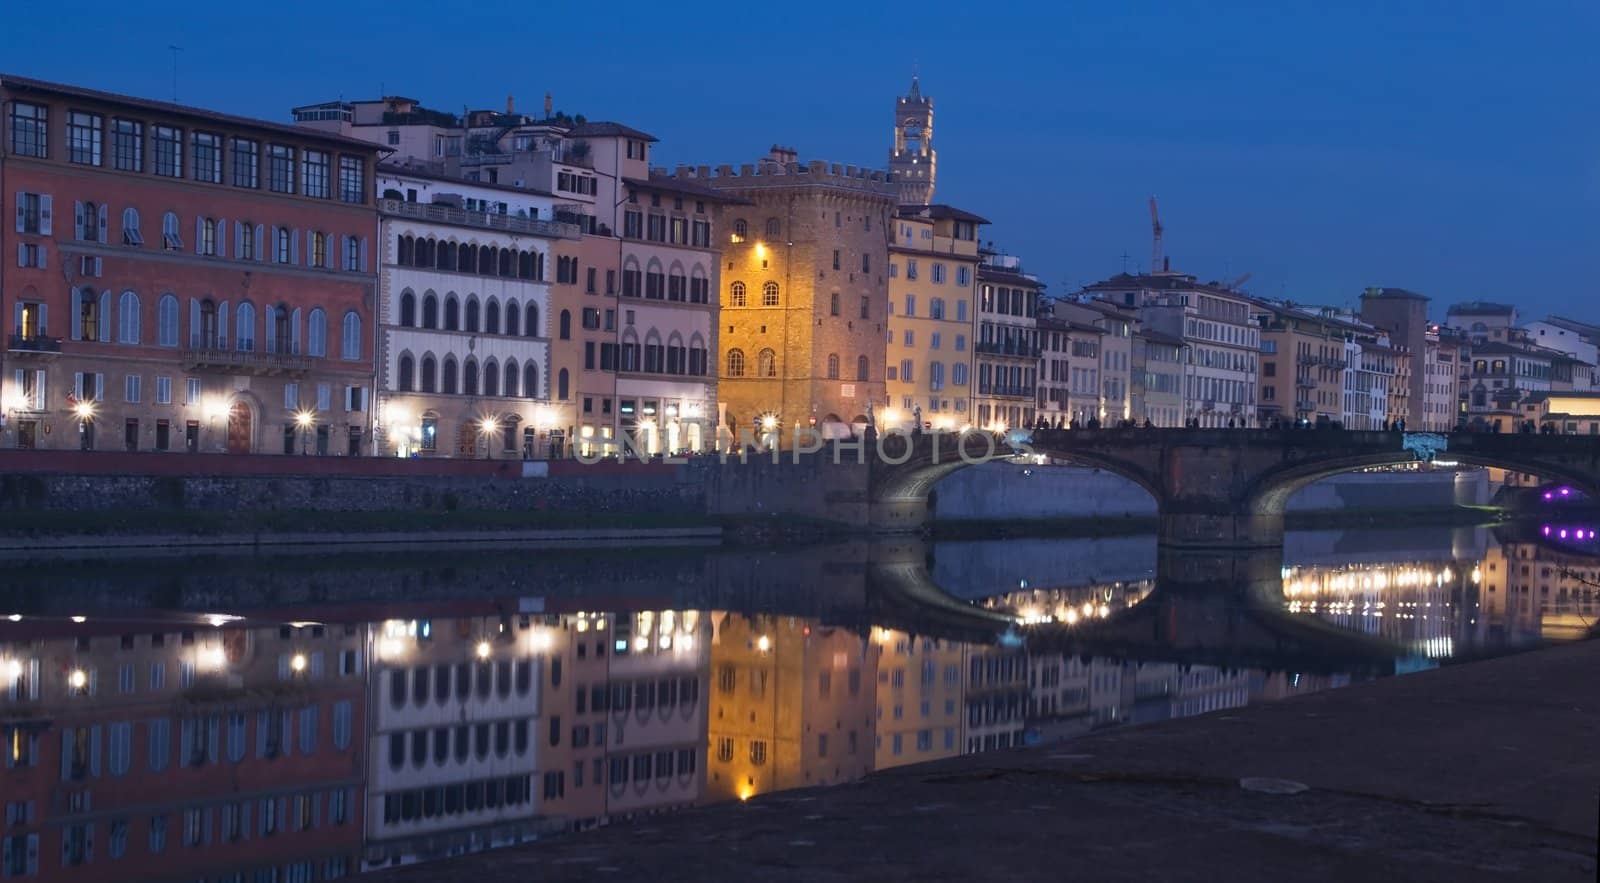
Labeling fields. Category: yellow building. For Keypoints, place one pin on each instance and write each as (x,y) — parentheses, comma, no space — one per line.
(791,705)
(919,698)
(933,268)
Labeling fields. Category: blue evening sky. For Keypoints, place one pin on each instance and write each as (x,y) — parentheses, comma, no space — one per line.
(1448,147)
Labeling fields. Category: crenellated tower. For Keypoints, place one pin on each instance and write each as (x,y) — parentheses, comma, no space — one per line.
(912,161)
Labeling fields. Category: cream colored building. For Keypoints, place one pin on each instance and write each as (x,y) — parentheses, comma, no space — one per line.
(1006,359)
(933,263)
(921,682)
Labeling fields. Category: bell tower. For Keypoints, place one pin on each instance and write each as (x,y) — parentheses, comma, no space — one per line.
(912,161)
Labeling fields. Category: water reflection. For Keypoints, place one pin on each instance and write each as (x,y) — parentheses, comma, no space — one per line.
(358,712)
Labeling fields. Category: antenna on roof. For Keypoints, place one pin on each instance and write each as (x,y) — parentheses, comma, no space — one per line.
(175,51)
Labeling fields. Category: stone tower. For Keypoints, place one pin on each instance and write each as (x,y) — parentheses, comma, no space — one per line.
(912,161)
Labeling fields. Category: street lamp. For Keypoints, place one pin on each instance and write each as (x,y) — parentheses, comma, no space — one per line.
(85,412)
(304,419)
(489,427)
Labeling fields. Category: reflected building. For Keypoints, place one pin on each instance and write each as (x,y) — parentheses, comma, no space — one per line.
(791,705)
(920,698)
(1530,592)
(183,750)
(1427,606)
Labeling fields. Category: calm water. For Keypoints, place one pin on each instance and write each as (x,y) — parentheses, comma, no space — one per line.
(308,717)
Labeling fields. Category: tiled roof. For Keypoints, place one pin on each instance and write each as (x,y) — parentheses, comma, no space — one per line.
(608,130)
(940,212)
(28,84)
(672,184)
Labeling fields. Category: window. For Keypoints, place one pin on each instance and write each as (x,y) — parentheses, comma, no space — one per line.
(167,321)
(766,363)
(319,251)
(735,363)
(758,752)
(246,163)
(769,294)
(866,263)
(85,132)
(208,157)
(168,151)
(314,168)
(128,320)
(208,237)
(280,168)
(736,296)
(352,254)
(352,179)
(171,239)
(30,125)
(862,367)
(282,245)
(317,333)
(833,366)
(350,337)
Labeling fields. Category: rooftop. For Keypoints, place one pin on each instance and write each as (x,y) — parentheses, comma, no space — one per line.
(413,168)
(1393,293)
(1574,325)
(659,180)
(605,129)
(28,84)
(1480,308)
(941,212)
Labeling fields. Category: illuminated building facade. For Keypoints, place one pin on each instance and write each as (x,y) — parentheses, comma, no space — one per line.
(933,264)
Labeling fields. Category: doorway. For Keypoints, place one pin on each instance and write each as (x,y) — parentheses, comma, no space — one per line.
(239,428)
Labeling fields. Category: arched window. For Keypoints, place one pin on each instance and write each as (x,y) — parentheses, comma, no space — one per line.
(563,384)
(452,313)
(735,363)
(862,366)
(430,310)
(447,380)
(769,294)
(317,333)
(167,320)
(513,318)
(767,363)
(488,259)
(429,374)
(467,258)
(130,227)
(319,251)
(774,228)
(245,330)
(408,372)
(833,366)
(513,376)
(525,264)
(740,228)
(350,337)
(405,251)
(282,245)
(408,309)
(469,377)
(491,378)
(736,295)
(530,380)
(170,240)
(128,318)
(491,317)
(505,262)
(530,320)
(447,255)
(566,324)
(472,313)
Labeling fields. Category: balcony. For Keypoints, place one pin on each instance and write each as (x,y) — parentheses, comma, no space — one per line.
(446,214)
(33,345)
(1018,392)
(1305,383)
(995,348)
(229,361)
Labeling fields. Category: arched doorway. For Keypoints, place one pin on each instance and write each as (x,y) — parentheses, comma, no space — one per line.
(240,428)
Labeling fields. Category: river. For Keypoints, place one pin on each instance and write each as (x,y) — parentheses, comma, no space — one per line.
(311,716)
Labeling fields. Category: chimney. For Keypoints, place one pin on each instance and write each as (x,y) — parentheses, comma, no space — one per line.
(511,106)
(549,104)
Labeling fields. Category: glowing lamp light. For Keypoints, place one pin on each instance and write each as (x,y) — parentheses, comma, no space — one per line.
(13,670)
(769,423)
(1563,534)
(665,642)
(211,658)
(80,619)
(84,410)
(1549,496)
(15,617)
(298,662)
(303,419)
(641,643)
(490,425)
(483,649)
(78,679)
(1547,530)
(746,792)
(763,643)
(1565,491)
(542,641)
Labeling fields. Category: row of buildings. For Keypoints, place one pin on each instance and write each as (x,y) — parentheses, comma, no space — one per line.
(315,750)
(380,278)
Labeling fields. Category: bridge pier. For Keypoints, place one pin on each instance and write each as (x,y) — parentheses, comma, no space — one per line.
(1213,529)
(899,515)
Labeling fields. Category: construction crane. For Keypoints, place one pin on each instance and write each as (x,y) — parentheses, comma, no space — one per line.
(1155,238)
(1234,285)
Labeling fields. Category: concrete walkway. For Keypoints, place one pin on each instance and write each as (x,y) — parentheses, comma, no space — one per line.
(1486,771)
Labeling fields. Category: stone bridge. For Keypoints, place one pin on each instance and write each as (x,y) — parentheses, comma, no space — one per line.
(1214,488)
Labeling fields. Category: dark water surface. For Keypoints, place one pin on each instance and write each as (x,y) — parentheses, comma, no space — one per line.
(299,717)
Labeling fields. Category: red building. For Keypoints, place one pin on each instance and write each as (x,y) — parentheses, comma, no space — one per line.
(178,752)
(180,279)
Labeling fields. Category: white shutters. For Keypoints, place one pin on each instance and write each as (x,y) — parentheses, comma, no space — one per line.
(194,324)
(222,237)
(77,220)
(77,311)
(294,332)
(103,225)
(363,254)
(239,233)
(45,213)
(260,243)
(105,317)
(271,330)
(294,248)
(222,326)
